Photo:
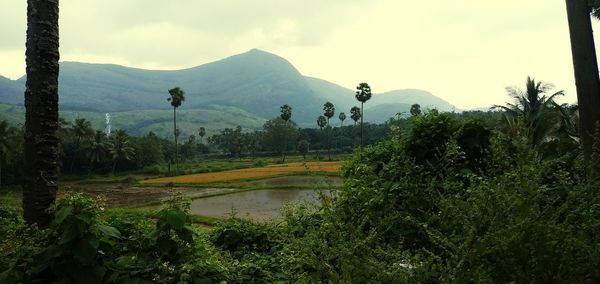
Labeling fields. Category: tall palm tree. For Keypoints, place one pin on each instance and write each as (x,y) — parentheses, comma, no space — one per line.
(201,133)
(286,115)
(82,129)
(363,94)
(586,68)
(355,114)
(329,112)
(321,122)
(6,135)
(177,97)
(119,148)
(41,115)
(537,111)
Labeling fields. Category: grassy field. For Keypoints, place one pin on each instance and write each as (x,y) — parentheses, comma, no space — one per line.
(251,173)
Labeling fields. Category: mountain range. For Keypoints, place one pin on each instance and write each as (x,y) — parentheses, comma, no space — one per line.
(245,89)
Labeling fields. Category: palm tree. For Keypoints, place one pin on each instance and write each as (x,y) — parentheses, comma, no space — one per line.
(415,109)
(6,135)
(363,94)
(355,114)
(286,115)
(201,133)
(81,129)
(329,111)
(342,117)
(41,116)
(537,111)
(119,148)
(96,149)
(586,68)
(177,96)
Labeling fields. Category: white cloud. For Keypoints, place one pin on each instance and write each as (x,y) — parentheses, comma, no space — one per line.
(465,51)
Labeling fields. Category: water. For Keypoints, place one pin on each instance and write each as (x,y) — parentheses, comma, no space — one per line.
(257,204)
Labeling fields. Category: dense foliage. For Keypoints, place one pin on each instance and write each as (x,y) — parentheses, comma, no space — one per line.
(448,199)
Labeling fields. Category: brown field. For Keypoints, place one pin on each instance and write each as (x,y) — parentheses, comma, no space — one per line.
(268,171)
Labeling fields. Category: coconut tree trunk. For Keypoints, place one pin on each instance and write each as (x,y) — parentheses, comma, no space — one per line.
(41,116)
(585,66)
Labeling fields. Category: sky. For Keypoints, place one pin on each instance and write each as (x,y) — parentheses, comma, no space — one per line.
(464,51)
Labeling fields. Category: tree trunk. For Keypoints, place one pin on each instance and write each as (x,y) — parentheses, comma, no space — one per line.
(114,167)
(585,66)
(41,116)
(284,143)
(329,140)
(175,135)
(361,123)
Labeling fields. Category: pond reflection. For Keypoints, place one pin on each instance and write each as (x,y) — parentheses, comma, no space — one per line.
(256,204)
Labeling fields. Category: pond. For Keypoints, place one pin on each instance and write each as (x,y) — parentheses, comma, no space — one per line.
(259,205)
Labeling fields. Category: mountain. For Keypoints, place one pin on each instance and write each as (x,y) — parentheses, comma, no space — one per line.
(411,96)
(11,92)
(246,89)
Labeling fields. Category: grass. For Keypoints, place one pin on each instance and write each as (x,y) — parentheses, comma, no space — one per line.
(250,173)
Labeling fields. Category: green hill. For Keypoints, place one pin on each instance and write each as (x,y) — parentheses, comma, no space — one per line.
(140,122)
(242,89)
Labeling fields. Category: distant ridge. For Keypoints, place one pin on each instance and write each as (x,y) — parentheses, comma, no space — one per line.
(255,82)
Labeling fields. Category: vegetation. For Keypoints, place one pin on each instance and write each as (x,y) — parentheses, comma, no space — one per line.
(507,197)
(363,94)
(177,97)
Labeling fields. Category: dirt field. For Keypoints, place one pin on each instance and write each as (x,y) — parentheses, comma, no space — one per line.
(268,171)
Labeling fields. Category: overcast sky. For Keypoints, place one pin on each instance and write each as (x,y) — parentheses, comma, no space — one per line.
(464,51)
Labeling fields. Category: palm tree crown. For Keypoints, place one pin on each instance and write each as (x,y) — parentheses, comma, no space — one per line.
(363,93)
(177,97)
(286,112)
(355,114)
(321,121)
(537,111)
(328,110)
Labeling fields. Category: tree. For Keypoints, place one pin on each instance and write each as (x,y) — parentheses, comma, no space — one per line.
(363,94)
(321,122)
(176,99)
(97,149)
(6,135)
(415,109)
(201,133)
(537,111)
(286,114)
(303,147)
(230,140)
(119,148)
(41,115)
(342,117)
(82,129)
(585,65)
(276,130)
(328,111)
(355,114)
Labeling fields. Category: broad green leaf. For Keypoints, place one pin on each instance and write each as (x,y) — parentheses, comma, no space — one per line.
(110,231)
(62,213)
